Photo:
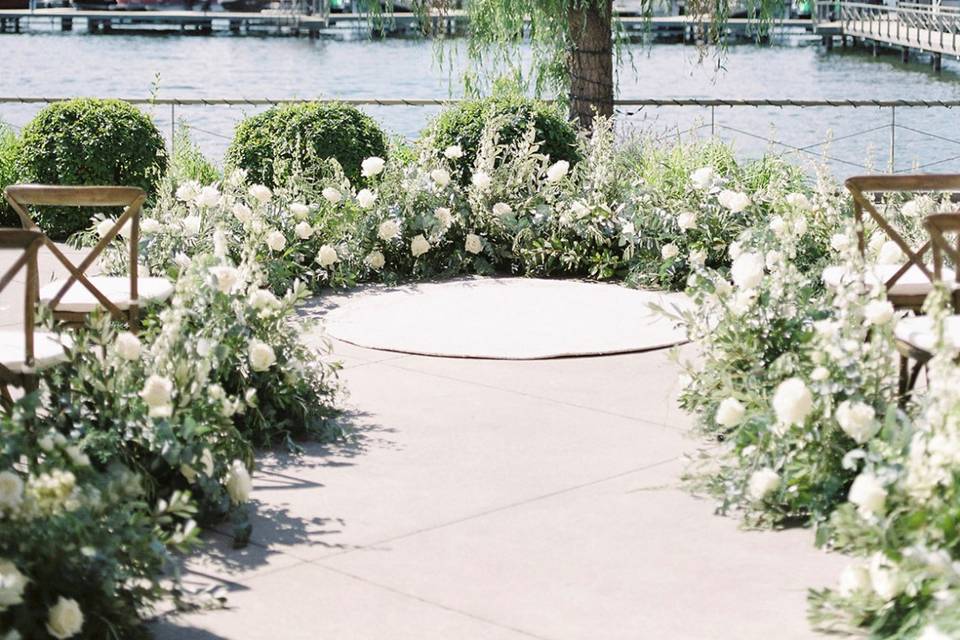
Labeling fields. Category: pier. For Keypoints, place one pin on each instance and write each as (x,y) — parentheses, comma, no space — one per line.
(292,23)
(910,29)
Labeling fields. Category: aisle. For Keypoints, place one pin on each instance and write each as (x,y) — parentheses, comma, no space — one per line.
(502,500)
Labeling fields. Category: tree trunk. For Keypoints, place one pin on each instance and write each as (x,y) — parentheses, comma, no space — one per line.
(591,60)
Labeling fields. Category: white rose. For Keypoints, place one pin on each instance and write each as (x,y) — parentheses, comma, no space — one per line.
(261,193)
(473,244)
(261,355)
(703,178)
(157,391)
(878,312)
(453,152)
(687,221)
(444,216)
(911,209)
(747,270)
(669,251)
(366,198)
(762,483)
(799,201)
(104,227)
(419,246)
(372,166)
(187,191)
(502,209)
(735,201)
(238,482)
(730,412)
(868,493)
(242,212)
(299,211)
(840,242)
(227,278)
(11,492)
(858,420)
(930,632)
(12,584)
(792,401)
(375,260)
(441,177)
(820,374)
(481,180)
(276,240)
(208,197)
(263,299)
(127,346)
(388,230)
(332,195)
(182,260)
(579,209)
(149,226)
(64,619)
(303,230)
(190,226)
(778,225)
(557,171)
(327,256)
(890,253)
(206,459)
(855,578)
(884,577)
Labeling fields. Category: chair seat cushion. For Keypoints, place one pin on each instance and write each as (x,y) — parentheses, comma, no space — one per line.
(79,299)
(48,350)
(913,282)
(917,331)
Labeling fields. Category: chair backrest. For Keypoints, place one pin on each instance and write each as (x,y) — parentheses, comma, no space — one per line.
(29,241)
(860,188)
(941,226)
(21,196)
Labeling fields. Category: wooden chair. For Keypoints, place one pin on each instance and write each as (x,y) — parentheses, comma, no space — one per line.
(73,298)
(915,335)
(908,284)
(24,352)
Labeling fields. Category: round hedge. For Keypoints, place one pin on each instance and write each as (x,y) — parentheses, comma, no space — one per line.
(272,145)
(88,141)
(463,125)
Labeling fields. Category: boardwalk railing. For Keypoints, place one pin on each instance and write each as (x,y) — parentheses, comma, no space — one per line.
(899,135)
(927,27)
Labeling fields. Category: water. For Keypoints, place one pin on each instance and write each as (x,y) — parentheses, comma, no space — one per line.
(68,64)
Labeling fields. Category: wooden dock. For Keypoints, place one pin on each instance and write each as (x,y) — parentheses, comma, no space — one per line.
(925,29)
(294,24)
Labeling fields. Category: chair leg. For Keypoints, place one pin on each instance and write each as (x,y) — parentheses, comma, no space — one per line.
(6,401)
(903,386)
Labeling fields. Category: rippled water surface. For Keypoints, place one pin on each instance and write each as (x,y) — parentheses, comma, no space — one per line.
(55,64)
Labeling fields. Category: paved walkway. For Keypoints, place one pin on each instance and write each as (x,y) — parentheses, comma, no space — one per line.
(501,500)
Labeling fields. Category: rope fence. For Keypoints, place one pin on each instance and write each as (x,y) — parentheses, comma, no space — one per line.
(729,119)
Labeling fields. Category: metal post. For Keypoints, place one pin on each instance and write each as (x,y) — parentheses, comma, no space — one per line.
(173,127)
(893,139)
(712,110)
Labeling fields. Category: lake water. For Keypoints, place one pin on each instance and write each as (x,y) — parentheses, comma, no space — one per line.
(67,64)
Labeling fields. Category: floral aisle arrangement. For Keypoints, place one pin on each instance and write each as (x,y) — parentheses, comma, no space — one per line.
(83,548)
(901,520)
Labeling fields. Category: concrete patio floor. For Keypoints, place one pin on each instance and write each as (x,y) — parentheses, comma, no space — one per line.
(502,500)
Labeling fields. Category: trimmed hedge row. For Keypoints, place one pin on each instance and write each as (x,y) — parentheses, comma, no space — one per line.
(90,141)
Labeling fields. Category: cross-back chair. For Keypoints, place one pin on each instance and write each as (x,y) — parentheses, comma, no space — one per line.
(73,298)
(24,352)
(907,284)
(916,336)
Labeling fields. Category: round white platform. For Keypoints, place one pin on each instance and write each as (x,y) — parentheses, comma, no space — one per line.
(503,318)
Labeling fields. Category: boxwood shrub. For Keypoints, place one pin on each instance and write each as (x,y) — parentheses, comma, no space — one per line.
(463,125)
(8,174)
(88,141)
(290,140)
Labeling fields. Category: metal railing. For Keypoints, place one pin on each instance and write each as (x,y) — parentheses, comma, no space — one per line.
(882,123)
(924,26)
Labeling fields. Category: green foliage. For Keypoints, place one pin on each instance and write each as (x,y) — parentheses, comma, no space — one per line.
(8,174)
(463,125)
(289,140)
(88,141)
(187,162)
(71,530)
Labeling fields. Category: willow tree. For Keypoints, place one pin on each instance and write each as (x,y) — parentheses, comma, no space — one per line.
(574,43)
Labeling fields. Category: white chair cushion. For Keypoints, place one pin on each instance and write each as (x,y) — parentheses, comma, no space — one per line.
(917,331)
(79,299)
(47,350)
(912,283)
